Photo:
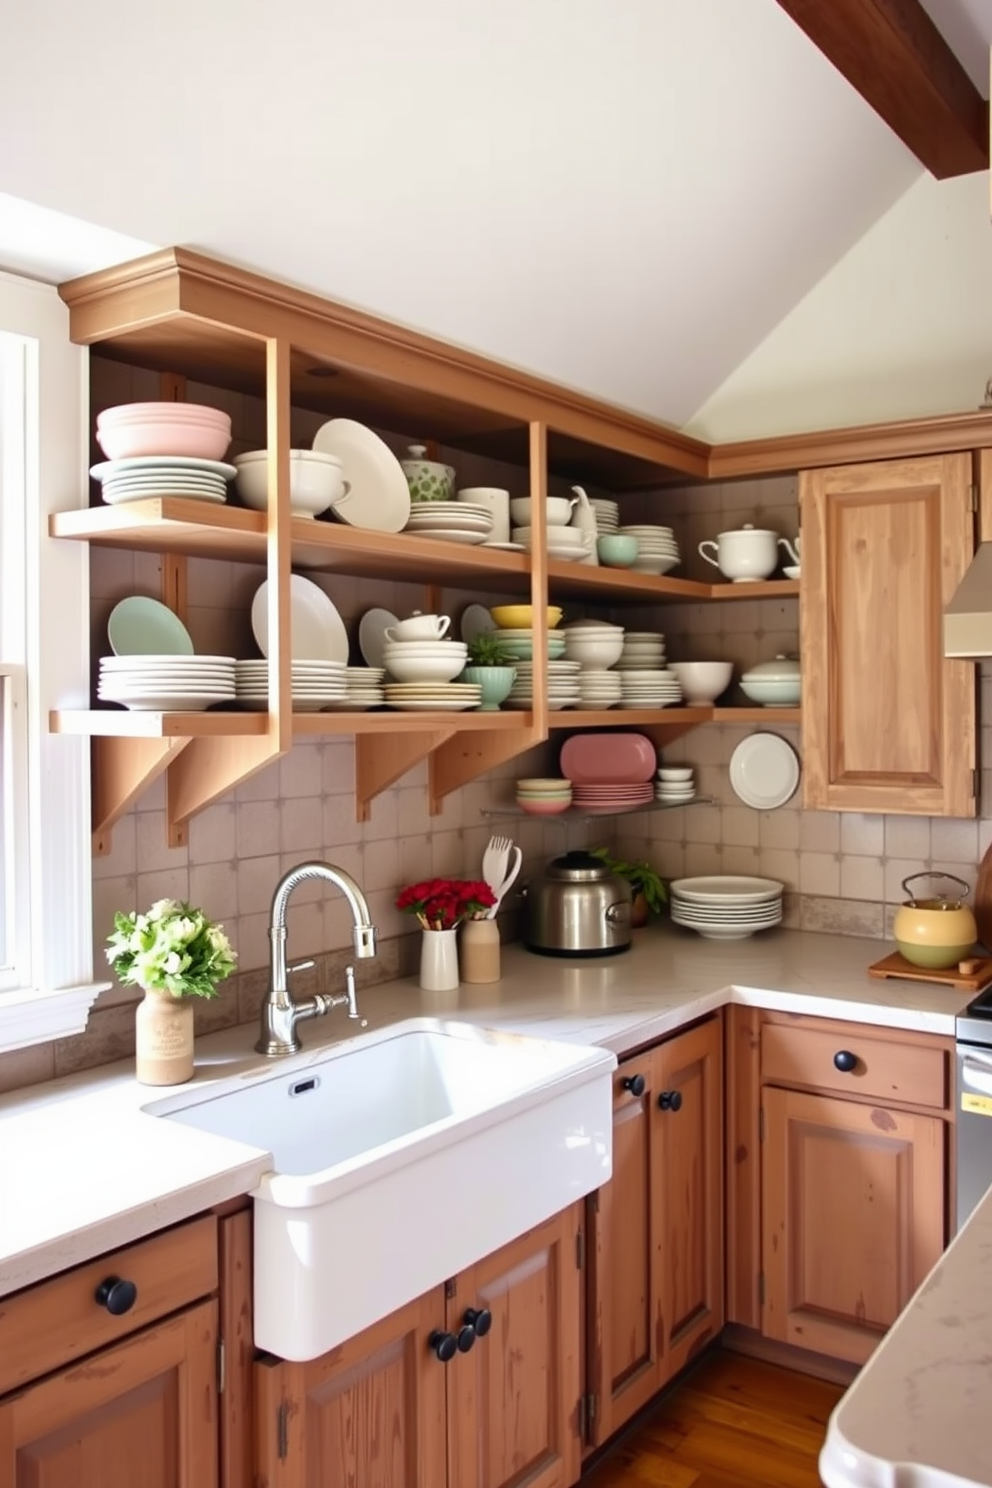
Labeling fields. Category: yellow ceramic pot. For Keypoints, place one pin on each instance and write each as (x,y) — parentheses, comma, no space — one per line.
(935,933)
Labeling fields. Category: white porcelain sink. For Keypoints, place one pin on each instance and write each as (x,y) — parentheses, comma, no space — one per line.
(399,1158)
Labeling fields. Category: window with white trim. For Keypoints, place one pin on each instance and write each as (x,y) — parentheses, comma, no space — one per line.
(46,946)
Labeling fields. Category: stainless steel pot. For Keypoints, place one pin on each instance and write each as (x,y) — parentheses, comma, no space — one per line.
(578,908)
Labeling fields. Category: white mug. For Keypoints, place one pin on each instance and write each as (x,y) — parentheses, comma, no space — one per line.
(793,552)
(494,500)
(418,628)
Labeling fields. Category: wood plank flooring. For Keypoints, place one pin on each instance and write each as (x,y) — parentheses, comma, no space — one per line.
(734,1422)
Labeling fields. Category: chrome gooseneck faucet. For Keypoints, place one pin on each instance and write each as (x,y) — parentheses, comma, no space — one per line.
(280,1014)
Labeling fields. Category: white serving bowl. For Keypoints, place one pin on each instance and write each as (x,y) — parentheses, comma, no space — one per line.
(673,773)
(593,651)
(558,510)
(774,684)
(565,537)
(315,481)
(423,668)
(702,682)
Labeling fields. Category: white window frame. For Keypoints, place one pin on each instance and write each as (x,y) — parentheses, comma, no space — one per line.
(47,990)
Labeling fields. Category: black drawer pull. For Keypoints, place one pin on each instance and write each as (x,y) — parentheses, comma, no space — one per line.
(116,1295)
(845,1061)
(636,1084)
(670,1100)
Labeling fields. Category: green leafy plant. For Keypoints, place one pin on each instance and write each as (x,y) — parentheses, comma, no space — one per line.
(643,879)
(173,948)
(486,649)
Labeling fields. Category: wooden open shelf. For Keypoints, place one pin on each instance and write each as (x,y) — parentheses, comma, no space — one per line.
(113,723)
(682,718)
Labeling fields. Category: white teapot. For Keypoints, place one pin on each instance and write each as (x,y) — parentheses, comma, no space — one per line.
(746,555)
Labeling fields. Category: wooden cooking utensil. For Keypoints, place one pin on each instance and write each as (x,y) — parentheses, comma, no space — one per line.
(982,902)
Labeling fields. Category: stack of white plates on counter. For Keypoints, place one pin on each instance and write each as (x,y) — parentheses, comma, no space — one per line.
(649,688)
(167,683)
(726,906)
(675,784)
(642,651)
(432,697)
(606,799)
(453,521)
(362,690)
(146,476)
(657,550)
(598,688)
(607,515)
(563,685)
(313,684)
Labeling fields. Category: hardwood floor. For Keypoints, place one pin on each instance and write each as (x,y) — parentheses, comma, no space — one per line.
(733,1423)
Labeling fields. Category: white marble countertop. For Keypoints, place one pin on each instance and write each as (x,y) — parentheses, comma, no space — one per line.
(84,1169)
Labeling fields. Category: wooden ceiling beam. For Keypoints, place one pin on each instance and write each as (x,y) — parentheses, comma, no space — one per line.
(893,54)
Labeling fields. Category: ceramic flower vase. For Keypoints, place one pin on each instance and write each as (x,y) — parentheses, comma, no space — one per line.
(479,952)
(438,960)
(163,1039)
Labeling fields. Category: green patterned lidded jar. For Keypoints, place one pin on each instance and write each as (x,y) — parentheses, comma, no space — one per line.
(428,480)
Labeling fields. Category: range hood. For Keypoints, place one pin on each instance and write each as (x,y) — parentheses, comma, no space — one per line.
(968,617)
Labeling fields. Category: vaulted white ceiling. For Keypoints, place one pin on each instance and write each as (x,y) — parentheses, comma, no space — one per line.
(627,196)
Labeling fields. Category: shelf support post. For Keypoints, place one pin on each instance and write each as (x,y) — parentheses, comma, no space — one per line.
(380,760)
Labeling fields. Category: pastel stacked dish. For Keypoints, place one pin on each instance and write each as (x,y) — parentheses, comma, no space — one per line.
(657,550)
(134,429)
(609,772)
(563,685)
(451,521)
(599,688)
(606,800)
(649,688)
(607,514)
(594,643)
(520,644)
(726,906)
(424,661)
(431,697)
(508,616)
(569,544)
(362,689)
(642,650)
(313,684)
(544,797)
(166,683)
(675,784)
(147,477)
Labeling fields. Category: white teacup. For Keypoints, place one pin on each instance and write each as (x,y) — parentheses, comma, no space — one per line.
(744,556)
(793,549)
(495,501)
(418,628)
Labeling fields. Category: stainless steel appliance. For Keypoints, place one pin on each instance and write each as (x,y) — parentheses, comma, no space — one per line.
(578,908)
(974,1103)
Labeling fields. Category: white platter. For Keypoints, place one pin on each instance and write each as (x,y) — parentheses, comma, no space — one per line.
(450,534)
(379,498)
(316,630)
(764,771)
(726,889)
(173,702)
(372,635)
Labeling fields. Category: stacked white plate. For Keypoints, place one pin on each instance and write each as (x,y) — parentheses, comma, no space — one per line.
(453,521)
(362,690)
(675,785)
(643,650)
(726,906)
(603,800)
(146,476)
(313,684)
(598,688)
(607,515)
(519,644)
(167,683)
(563,685)
(657,550)
(649,688)
(421,697)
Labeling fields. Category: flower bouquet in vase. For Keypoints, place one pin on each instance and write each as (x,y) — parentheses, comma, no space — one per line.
(173,953)
(441,905)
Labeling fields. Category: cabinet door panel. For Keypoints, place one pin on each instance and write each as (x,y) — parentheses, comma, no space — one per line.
(513,1399)
(370,1413)
(854,1218)
(888,723)
(142,1412)
(688,1191)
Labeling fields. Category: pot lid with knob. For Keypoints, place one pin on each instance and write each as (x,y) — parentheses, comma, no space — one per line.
(578,867)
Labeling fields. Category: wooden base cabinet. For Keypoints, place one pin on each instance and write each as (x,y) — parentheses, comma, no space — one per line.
(384,1411)
(656,1229)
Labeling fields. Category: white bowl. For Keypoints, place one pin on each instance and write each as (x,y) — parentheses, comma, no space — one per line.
(599,651)
(315,481)
(783,692)
(558,510)
(565,537)
(675,772)
(702,681)
(423,668)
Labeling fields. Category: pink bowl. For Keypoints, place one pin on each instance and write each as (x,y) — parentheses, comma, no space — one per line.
(536,807)
(125,441)
(179,413)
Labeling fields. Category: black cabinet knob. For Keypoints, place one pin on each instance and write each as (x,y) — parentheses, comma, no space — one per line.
(670,1100)
(479,1319)
(636,1084)
(116,1295)
(465,1338)
(845,1061)
(445,1345)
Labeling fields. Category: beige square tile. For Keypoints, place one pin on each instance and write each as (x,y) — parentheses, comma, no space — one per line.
(340,826)
(152,850)
(702,858)
(213,835)
(447,855)
(213,887)
(122,858)
(262,786)
(258,828)
(862,834)
(819,831)
(301,771)
(166,883)
(741,859)
(862,878)
(954,841)
(819,873)
(252,941)
(257,879)
(383,821)
(907,837)
(301,822)
(381,866)
(781,864)
(778,829)
(740,826)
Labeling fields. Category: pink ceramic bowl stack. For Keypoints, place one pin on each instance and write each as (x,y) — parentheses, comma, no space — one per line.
(132,430)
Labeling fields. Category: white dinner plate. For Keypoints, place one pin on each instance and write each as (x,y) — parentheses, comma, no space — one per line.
(161,462)
(450,534)
(726,888)
(507,547)
(372,636)
(475,621)
(379,497)
(764,771)
(316,630)
(139,625)
(173,702)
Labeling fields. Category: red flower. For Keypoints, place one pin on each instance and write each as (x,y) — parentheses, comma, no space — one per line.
(442,903)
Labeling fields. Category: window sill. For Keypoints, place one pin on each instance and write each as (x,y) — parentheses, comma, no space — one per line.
(29,1016)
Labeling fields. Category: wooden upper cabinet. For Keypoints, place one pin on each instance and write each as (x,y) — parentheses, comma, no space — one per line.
(888,723)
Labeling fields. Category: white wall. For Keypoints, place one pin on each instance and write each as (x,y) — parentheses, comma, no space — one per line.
(901,327)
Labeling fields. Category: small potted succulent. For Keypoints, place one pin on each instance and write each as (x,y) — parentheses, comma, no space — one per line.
(646,884)
(489,665)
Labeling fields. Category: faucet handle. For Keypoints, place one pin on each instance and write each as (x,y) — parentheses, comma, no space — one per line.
(299,966)
(349,986)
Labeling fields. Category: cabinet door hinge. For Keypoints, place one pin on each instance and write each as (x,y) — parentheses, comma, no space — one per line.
(580,1250)
(761,1123)
(450,1289)
(976,784)
(587,1415)
(973,497)
(282,1431)
(221,1366)
(761,1287)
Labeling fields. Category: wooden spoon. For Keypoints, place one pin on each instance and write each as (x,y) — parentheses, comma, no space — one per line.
(982,903)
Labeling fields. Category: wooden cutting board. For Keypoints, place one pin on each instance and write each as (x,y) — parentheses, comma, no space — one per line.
(982,902)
